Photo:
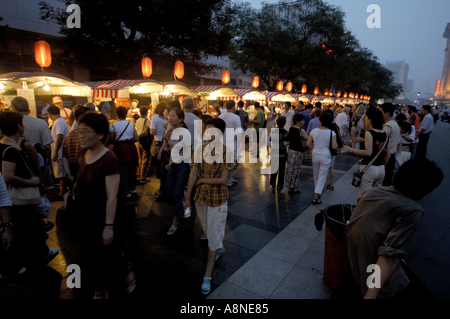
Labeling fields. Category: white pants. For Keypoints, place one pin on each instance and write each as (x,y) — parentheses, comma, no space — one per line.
(373,177)
(321,164)
(213,220)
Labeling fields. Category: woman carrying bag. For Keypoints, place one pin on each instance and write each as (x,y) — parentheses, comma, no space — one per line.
(375,141)
(30,248)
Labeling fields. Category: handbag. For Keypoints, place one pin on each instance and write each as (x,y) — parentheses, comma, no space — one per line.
(358,175)
(24,195)
(332,150)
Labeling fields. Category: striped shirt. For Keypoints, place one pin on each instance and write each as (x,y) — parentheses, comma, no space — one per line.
(5,201)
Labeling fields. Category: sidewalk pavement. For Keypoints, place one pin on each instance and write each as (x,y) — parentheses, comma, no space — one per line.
(291,265)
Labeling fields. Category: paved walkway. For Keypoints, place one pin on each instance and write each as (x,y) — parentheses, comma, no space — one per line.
(273,249)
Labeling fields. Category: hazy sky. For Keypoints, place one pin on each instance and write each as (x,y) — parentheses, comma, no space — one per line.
(411,30)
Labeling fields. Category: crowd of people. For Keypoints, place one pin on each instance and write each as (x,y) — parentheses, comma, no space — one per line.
(98,163)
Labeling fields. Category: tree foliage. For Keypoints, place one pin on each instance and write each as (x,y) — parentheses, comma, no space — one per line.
(306,42)
(116,34)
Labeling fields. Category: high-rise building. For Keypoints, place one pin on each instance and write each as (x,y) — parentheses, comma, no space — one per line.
(445,81)
(400,69)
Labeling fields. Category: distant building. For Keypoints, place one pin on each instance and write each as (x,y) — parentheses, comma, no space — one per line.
(444,86)
(400,69)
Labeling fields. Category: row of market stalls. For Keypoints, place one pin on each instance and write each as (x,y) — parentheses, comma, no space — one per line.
(219,92)
(33,85)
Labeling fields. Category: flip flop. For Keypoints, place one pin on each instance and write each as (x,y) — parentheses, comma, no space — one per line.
(316,201)
(330,187)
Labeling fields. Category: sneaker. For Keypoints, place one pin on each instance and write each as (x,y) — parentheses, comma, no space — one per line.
(145,181)
(51,255)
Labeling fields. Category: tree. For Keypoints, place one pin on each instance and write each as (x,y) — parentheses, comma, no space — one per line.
(116,34)
(279,41)
(306,42)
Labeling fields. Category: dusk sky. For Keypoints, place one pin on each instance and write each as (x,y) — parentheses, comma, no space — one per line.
(411,30)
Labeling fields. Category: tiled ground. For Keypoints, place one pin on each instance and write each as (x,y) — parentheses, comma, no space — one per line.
(173,266)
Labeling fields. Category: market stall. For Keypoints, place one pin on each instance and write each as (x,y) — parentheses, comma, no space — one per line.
(42,84)
(279,97)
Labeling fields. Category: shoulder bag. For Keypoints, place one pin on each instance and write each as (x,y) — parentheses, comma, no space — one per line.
(332,150)
(357,176)
(24,195)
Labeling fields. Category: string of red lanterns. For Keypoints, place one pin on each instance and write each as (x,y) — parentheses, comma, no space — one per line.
(43,58)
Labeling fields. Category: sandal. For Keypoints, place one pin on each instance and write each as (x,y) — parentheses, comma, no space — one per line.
(172,229)
(220,252)
(316,201)
(296,191)
(330,187)
(206,288)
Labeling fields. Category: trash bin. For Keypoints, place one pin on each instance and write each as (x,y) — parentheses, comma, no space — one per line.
(336,269)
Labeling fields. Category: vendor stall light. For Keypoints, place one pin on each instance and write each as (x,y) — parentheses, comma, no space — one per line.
(338,94)
(146,66)
(289,86)
(42,54)
(280,85)
(316,90)
(226,76)
(255,82)
(46,86)
(179,70)
(304,88)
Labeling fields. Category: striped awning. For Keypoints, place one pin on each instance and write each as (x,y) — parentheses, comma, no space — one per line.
(278,96)
(206,88)
(109,89)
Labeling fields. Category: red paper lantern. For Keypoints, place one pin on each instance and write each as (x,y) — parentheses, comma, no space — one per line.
(280,85)
(179,69)
(146,66)
(356,96)
(345,95)
(255,82)
(304,88)
(326,92)
(338,94)
(226,77)
(316,90)
(289,86)
(43,54)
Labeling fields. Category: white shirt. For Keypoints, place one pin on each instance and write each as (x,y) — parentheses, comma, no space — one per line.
(427,124)
(157,124)
(289,115)
(341,120)
(321,139)
(120,126)
(232,121)
(59,127)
